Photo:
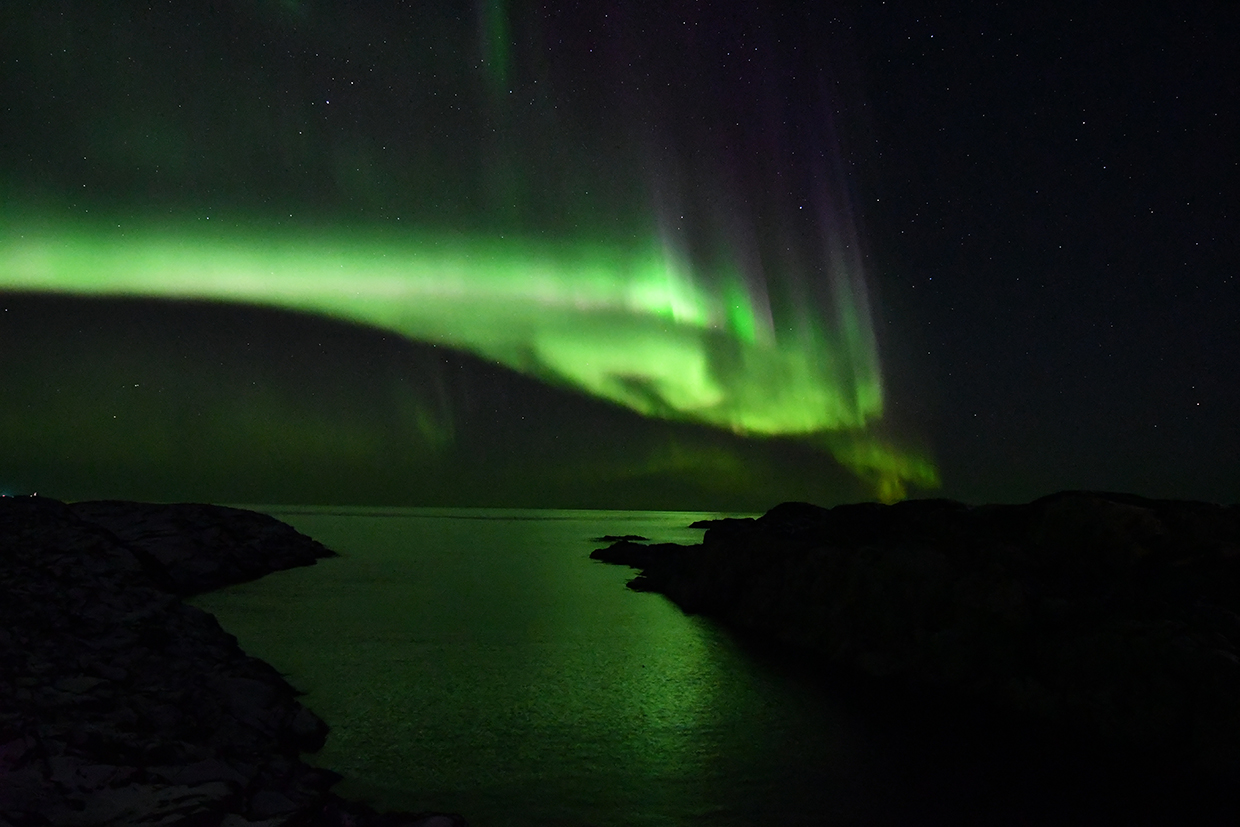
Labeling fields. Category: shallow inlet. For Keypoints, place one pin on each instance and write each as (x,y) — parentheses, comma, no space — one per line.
(477,661)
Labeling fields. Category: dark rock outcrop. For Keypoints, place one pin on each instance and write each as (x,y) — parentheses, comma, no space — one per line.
(1104,613)
(195,548)
(122,705)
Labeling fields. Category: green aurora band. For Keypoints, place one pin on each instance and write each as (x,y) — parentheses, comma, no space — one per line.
(636,326)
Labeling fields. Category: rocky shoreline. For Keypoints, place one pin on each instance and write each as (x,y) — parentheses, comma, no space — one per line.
(122,705)
(1110,615)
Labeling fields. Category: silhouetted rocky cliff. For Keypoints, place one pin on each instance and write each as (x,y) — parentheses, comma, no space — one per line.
(122,705)
(1108,613)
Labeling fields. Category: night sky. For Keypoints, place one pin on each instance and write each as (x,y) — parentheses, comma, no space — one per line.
(631,255)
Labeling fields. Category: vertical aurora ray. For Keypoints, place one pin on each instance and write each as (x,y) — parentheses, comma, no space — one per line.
(495,40)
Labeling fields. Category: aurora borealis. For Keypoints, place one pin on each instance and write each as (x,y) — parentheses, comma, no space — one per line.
(770,236)
(638,330)
(695,292)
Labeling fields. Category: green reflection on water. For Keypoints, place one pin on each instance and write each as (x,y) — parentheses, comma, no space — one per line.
(485,666)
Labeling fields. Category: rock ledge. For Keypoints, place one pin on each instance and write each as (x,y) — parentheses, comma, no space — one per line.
(1109,614)
(122,705)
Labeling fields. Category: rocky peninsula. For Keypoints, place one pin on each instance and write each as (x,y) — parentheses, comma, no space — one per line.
(1110,615)
(122,705)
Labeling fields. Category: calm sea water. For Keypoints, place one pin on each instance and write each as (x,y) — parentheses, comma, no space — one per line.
(477,661)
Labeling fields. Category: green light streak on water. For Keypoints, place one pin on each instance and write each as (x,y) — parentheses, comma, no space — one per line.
(636,326)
